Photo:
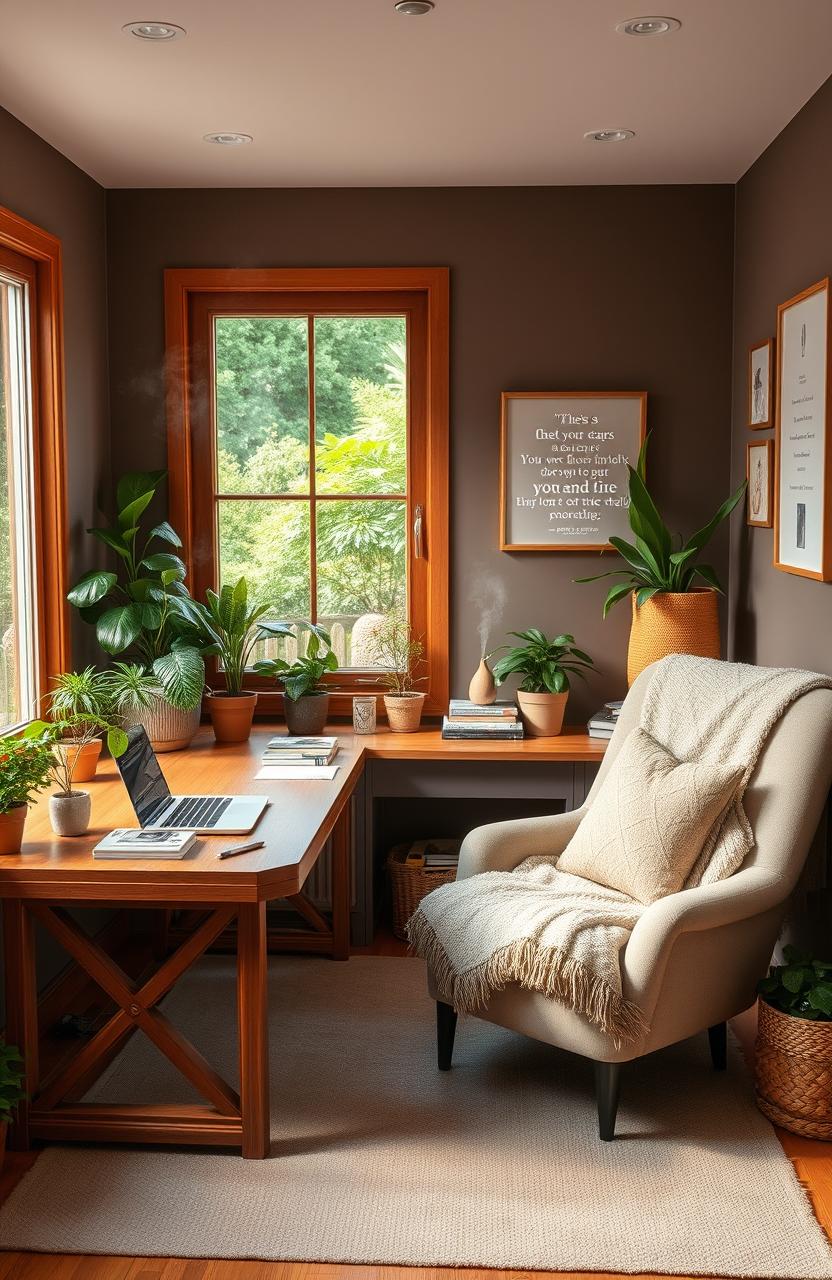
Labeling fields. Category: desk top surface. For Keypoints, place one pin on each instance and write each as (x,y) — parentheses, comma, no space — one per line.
(295,826)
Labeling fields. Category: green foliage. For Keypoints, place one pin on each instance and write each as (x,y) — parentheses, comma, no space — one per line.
(653,565)
(305,675)
(393,646)
(77,731)
(11,1080)
(131,688)
(801,987)
(79,693)
(25,765)
(141,608)
(231,631)
(544,665)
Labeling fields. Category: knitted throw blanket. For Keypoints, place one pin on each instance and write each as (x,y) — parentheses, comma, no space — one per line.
(561,935)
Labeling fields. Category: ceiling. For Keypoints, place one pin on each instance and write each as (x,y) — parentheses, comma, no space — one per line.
(350,93)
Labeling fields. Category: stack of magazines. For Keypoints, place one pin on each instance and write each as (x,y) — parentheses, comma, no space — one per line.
(286,749)
(499,721)
(601,725)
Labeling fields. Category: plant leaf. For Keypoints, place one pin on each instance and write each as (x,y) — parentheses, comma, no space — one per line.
(91,588)
(181,673)
(120,627)
(134,484)
(167,533)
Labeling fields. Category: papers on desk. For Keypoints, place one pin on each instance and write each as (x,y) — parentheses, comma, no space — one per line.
(280,772)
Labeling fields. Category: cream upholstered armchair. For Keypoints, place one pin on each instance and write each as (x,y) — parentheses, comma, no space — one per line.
(694,958)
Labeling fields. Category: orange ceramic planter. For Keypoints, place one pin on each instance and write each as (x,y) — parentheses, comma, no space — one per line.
(673,622)
(542,713)
(85,758)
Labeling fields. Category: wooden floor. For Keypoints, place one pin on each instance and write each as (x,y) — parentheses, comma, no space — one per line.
(812,1161)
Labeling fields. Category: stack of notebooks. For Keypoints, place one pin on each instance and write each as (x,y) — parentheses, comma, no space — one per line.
(499,721)
(300,751)
(603,722)
(145,842)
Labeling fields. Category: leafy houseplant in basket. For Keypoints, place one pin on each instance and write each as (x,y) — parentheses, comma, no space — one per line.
(306,697)
(25,764)
(11,1089)
(672,611)
(140,610)
(393,646)
(74,695)
(69,808)
(794,1045)
(544,667)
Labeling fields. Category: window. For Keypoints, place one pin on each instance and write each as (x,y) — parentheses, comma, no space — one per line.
(312,422)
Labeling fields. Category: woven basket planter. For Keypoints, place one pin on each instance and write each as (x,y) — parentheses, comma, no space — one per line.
(794,1072)
(409,885)
(673,622)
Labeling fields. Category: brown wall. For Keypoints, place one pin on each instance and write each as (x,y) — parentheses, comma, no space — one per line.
(609,288)
(783,244)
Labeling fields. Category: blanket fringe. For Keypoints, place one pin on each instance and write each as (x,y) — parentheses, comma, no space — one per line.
(543,969)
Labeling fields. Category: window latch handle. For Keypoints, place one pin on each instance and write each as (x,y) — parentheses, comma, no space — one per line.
(418,521)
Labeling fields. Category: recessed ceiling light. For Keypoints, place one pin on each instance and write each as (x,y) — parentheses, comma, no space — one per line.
(414,8)
(154,30)
(228,139)
(609,135)
(652,26)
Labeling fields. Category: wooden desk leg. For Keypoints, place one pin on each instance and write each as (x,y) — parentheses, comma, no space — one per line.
(253,1029)
(341,883)
(21,1007)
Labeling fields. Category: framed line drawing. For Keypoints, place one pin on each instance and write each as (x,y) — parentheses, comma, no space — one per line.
(563,467)
(803,458)
(760,379)
(758,471)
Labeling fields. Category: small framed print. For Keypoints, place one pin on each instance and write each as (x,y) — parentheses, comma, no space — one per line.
(760,378)
(759,473)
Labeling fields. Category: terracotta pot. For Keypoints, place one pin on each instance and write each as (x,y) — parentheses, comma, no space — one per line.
(69,812)
(12,823)
(404,711)
(306,716)
(85,758)
(167,728)
(542,713)
(231,715)
(673,622)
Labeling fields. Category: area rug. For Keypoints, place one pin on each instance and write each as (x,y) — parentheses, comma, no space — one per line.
(379,1158)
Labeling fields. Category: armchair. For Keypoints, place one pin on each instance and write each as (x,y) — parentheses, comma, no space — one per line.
(694,958)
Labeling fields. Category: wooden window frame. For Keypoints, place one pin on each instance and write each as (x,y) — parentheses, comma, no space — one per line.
(428,485)
(43,252)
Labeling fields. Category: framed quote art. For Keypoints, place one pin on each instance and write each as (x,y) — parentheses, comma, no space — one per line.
(803,464)
(760,371)
(563,467)
(759,476)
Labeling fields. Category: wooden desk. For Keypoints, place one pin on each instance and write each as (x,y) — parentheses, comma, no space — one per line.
(51,872)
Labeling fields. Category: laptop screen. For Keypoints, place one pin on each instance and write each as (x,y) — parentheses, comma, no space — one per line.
(142,776)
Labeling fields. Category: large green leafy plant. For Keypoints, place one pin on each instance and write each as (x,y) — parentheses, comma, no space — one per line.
(657,560)
(801,987)
(544,665)
(231,628)
(141,608)
(305,675)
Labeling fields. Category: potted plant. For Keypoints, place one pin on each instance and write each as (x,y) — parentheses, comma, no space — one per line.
(794,1045)
(69,808)
(671,612)
(544,667)
(393,646)
(75,694)
(11,1089)
(305,697)
(25,765)
(141,610)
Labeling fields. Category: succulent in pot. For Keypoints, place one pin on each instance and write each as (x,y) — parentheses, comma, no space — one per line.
(545,667)
(11,1089)
(76,694)
(69,806)
(393,646)
(305,696)
(25,765)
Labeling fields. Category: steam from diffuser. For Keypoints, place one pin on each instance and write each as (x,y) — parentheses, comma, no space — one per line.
(489,596)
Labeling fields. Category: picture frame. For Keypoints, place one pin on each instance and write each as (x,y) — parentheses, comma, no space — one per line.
(760,397)
(760,476)
(803,457)
(563,467)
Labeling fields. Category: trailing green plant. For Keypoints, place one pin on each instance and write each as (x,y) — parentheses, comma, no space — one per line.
(25,765)
(11,1080)
(141,608)
(544,665)
(393,646)
(801,987)
(657,560)
(79,693)
(81,729)
(231,629)
(305,675)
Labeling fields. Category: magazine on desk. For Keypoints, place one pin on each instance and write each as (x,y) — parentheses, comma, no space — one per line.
(145,842)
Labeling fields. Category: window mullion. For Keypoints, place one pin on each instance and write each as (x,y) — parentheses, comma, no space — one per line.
(313,507)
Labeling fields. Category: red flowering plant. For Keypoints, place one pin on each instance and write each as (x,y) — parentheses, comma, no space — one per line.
(25,765)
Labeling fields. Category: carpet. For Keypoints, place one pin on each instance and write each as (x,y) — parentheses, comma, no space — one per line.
(379,1158)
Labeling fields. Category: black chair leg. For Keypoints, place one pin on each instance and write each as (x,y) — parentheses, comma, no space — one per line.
(607,1083)
(445,1030)
(718,1040)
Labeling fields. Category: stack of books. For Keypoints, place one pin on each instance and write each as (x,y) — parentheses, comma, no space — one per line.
(601,725)
(145,842)
(434,855)
(286,749)
(500,721)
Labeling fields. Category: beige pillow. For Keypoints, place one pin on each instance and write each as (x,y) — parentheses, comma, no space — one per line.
(647,825)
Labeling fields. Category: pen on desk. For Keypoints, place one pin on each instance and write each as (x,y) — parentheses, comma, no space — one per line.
(242,848)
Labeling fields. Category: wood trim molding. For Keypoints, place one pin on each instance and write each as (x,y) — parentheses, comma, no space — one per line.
(48,393)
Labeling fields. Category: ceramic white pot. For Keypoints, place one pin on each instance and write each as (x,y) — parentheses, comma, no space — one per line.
(69,813)
(167,728)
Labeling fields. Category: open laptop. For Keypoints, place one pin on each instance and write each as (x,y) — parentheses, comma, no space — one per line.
(155,806)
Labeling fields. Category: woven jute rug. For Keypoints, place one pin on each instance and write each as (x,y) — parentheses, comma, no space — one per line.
(379,1158)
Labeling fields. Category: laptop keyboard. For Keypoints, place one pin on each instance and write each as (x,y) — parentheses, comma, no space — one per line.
(198,811)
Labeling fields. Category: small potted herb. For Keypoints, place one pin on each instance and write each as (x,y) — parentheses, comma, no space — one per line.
(11,1089)
(544,667)
(393,646)
(69,808)
(794,1045)
(305,696)
(76,694)
(25,765)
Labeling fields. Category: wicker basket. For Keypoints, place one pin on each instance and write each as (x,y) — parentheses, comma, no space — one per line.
(673,622)
(409,885)
(794,1072)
